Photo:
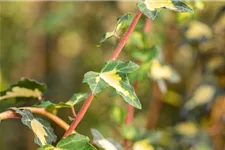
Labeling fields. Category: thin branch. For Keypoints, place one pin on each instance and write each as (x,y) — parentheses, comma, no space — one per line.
(147,25)
(126,36)
(116,53)
(73,111)
(10,114)
(80,115)
(154,106)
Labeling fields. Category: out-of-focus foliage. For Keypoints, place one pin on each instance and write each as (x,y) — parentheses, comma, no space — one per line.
(55,42)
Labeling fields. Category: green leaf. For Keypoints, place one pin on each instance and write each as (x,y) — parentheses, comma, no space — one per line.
(117,113)
(122,23)
(104,143)
(43,132)
(149,7)
(72,142)
(114,74)
(24,88)
(94,81)
(146,55)
(106,36)
(75,99)
(129,132)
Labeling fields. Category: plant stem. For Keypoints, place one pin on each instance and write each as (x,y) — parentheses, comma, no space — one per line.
(129,118)
(10,114)
(130,115)
(73,111)
(126,36)
(147,25)
(80,115)
(130,109)
(154,106)
(116,53)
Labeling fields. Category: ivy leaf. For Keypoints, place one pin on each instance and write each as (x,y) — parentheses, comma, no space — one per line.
(149,7)
(146,55)
(75,99)
(114,74)
(122,23)
(72,142)
(24,88)
(106,36)
(43,132)
(104,143)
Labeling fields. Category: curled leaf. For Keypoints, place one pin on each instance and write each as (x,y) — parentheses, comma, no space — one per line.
(43,132)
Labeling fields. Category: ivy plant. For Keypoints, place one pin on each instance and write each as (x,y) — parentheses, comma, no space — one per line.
(118,75)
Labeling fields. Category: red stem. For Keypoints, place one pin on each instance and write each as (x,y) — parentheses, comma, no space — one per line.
(130,109)
(147,25)
(126,36)
(116,53)
(130,115)
(80,115)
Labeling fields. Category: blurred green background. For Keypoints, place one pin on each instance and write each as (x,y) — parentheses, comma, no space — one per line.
(55,43)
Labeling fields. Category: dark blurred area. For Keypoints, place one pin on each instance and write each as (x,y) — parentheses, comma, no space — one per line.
(55,43)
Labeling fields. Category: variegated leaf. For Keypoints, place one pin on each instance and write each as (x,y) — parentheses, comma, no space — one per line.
(24,88)
(114,74)
(72,142)
(149,7)
(43,132)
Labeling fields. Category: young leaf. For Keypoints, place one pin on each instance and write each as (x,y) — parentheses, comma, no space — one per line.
(24,88)
(42,130)
(106,36)
(75,99)
(114,74)
(122,23)
(149,7)
(72,142)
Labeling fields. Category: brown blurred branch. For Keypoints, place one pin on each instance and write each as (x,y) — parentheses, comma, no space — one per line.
(154,106)
(10,114)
